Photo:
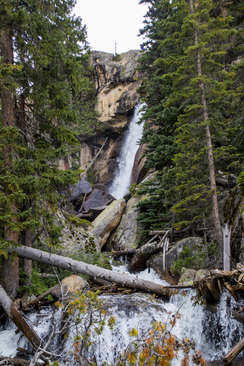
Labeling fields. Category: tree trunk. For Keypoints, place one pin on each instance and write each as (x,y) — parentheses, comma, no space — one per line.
(124,279)
(9,268)
(11,310)
(226,246)
(28,262)
(16,362)
(211,164)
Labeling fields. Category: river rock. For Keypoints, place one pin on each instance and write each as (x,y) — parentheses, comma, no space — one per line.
(108,220)
(70,286)
(127,233)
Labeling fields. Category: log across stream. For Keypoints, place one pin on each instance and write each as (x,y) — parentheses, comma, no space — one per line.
(214,332)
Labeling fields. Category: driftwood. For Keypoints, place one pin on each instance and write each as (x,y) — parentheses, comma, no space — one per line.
(10,308)
(138,261)
(211,287)
(16,362)
(234,352)
(123,279)
(118,253)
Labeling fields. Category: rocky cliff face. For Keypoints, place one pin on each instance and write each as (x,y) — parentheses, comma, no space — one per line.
(117,83)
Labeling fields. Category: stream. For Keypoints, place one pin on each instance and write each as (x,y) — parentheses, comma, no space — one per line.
(213,332)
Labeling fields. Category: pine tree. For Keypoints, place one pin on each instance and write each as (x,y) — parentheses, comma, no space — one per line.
(191,92)
(208,92)
(47,100)
(160,51)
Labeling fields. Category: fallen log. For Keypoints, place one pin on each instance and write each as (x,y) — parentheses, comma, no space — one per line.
(118,253)
(39,298)
(138,262)
(10,308)
(16,361)
(234,352)
(124,279)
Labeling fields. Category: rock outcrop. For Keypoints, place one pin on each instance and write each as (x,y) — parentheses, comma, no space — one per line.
(107,221)
(126,235)
(117,81)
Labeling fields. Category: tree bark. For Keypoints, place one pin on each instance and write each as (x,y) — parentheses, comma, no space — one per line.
(28,262)
(234,352)
(124,279)
(11,310)
(211,164)
(9,268)
(17,362)
(226,246)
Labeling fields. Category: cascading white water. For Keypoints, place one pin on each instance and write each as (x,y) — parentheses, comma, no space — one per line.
(213,333)
(122,179)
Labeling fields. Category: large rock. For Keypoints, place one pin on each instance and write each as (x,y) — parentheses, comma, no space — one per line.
(127,234)
(76,240)
(108,220)
(139,168)
(70,286)
(189,252)
(187,249)
(98,200)
(81,188)
(188,275)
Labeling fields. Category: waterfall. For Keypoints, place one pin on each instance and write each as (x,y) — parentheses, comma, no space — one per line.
(214,333)
(122,178)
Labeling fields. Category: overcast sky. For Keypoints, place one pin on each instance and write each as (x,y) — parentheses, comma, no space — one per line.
(110,21)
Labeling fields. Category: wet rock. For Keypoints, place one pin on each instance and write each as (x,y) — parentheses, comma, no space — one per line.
(127,233)
(70,286)
(108,220)
(81,188)
(98,200)
(139,169)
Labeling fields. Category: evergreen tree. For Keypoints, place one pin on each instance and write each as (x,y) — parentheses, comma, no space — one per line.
(47,100)
(202,127)
(198,90)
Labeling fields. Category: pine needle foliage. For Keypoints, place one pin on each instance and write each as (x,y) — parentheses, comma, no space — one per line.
(175,125)
(48,87)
